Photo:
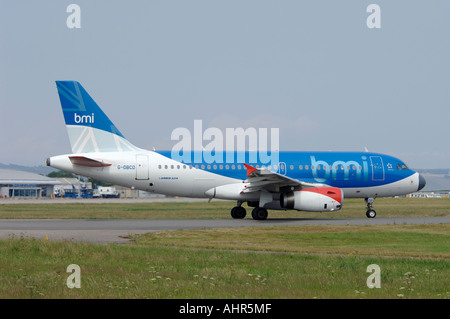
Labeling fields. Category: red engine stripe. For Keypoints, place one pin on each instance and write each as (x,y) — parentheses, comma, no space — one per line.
(332,192)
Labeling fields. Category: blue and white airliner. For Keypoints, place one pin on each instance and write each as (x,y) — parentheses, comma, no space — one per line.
(302,181)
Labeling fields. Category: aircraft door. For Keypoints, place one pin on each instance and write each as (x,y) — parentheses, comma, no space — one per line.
(377,168)
(142,167)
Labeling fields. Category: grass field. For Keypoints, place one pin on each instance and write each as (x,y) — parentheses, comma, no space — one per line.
(353,208)
(257,262)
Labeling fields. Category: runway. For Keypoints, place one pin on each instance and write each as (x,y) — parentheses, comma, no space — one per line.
(116,230)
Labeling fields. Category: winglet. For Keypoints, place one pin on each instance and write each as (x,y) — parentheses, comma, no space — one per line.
(250,169)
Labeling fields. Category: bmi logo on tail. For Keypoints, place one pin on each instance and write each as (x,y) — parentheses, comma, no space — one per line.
(80,119)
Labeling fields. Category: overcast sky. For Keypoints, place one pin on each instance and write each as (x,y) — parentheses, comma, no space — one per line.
(313,69)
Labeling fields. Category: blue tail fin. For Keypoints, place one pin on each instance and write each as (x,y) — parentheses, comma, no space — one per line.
(89,129)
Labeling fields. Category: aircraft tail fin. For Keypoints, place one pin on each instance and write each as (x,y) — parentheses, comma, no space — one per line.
(89,129)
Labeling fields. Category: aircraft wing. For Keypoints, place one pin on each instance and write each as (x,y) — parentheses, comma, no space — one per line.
(264,179)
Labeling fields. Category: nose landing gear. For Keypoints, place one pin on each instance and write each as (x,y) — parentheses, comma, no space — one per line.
(370,213)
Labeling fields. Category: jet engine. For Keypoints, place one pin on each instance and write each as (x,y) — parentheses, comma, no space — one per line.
(317,199)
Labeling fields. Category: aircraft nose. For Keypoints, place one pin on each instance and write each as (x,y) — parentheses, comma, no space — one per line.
(422,182)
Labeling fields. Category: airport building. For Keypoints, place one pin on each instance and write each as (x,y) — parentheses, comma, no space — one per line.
(25,184)
(20,184)
(436,194)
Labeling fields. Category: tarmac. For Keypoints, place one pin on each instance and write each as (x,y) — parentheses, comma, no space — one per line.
(104,231)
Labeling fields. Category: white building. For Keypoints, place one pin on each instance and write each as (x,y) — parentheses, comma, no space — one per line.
(437,194)
(24,184)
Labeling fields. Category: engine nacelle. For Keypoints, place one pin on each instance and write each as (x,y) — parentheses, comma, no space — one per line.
(318,199)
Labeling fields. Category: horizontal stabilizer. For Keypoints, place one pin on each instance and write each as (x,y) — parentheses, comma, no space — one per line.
(89,162)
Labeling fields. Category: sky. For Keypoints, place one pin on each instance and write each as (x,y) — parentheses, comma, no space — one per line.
(313,69)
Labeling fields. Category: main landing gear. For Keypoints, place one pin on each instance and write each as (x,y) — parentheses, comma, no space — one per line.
(370,213)
(238,212)
(258,213)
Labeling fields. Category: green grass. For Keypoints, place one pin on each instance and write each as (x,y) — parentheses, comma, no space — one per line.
(385,207)
(254,262)
(278,262)
(417,241)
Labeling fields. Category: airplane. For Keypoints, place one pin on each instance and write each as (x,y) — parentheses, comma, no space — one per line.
(302,181)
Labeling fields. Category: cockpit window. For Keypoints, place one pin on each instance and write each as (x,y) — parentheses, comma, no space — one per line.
(404,167)
(399,167)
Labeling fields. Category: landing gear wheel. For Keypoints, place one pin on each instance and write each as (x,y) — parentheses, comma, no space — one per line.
(238,212)
(259,213)
(371,213)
